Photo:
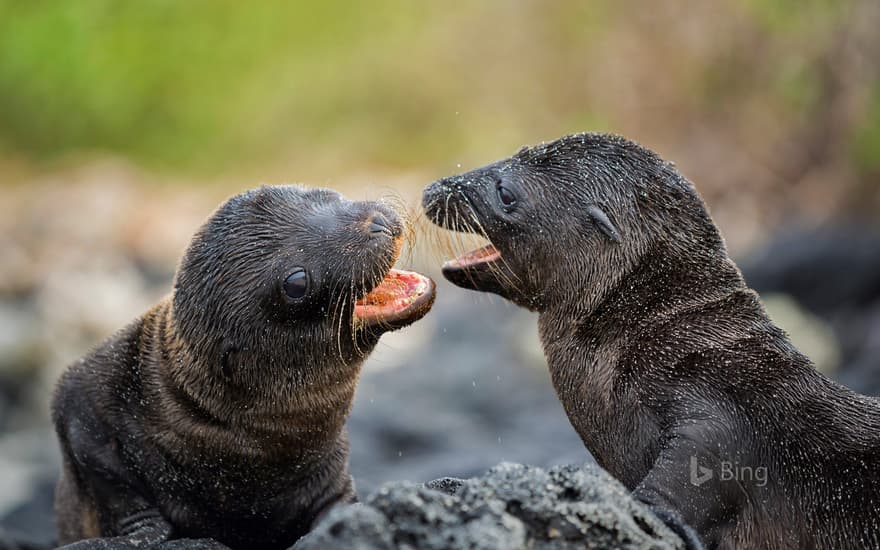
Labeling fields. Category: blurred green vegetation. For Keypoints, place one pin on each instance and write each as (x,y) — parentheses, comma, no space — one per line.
(194,84)
(205,86)
(171,82)
(788,16)
(867,148)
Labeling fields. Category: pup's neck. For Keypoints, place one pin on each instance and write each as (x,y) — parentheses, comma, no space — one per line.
(585,345)
(662,282)
(590,332)
(272,420)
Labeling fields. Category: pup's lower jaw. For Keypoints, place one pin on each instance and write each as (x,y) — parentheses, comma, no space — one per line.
(402,298)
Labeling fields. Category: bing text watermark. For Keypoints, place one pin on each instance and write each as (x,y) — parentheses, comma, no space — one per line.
(728,471)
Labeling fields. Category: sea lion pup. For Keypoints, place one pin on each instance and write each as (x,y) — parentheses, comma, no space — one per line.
(664,360)
(220,412)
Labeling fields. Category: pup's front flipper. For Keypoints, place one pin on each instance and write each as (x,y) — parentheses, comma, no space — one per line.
(145,529)
(687,533)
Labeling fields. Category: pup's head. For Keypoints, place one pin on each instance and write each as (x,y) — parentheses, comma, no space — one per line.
(284,282)
(566,218)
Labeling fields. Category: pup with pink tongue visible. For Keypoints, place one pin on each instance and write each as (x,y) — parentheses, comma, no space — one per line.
(663,358)
(220,412)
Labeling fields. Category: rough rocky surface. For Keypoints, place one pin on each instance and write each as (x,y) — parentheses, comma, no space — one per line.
(512,506)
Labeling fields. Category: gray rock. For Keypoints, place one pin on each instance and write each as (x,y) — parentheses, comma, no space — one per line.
(512,506)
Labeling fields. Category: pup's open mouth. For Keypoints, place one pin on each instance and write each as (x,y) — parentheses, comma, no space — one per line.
(402,297)
(484,255)
(481,269)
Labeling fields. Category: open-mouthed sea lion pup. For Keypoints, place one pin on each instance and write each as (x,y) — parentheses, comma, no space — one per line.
(220,412)
(663,358)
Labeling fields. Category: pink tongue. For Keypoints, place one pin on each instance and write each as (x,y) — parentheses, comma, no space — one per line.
(396,292)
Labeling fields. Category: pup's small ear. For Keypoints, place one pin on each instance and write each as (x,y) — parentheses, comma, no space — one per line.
(601,221)
(228,360)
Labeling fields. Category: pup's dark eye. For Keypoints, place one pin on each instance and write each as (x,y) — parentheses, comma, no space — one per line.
(505,195)
(296,284)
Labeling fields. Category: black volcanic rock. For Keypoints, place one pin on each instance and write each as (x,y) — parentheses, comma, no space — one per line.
(512,506)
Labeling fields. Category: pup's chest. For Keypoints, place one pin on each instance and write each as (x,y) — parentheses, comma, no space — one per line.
(235,502)
(622,439)
(608,415)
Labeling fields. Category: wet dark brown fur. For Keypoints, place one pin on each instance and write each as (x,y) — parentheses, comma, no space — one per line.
(220,412)
(665,361)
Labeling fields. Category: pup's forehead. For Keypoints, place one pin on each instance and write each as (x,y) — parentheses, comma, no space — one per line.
(575,147)
(281,196)
(566,146)
(276,204)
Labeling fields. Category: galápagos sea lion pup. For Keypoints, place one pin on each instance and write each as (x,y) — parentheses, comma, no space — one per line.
(664,360)
(220,412)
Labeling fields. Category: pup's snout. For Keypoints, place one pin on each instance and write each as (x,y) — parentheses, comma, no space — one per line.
(434,194)
(383,224)
(379,224)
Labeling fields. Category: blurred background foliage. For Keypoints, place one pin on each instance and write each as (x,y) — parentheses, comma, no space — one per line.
(317,89)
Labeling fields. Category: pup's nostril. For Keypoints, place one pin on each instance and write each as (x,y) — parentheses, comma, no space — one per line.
(379,225)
